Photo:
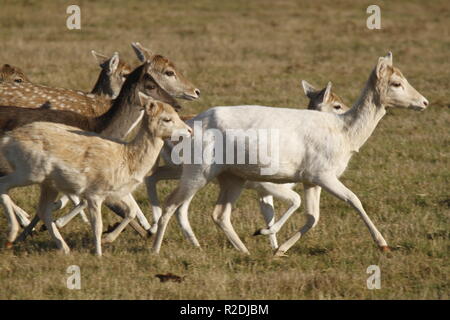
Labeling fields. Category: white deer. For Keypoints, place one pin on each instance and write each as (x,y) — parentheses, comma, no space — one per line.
(66,159)
(321,100)
(314,148)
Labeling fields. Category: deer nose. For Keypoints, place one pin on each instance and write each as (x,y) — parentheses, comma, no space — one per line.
(197,92)
(425,102)
(190,130)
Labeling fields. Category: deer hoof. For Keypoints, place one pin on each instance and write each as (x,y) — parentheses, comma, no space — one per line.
(258,232)
(385,249)
(8,245)
(279,254)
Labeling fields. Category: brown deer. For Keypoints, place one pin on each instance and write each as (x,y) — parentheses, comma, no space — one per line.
(12,73)
(40,155)
(116,123)
(27,95)
(30,95)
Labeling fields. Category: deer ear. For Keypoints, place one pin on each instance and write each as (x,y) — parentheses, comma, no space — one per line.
(144,99)
(100,58)
(142,53)
(327,93)
(382,66)
(114,62)
(308,88)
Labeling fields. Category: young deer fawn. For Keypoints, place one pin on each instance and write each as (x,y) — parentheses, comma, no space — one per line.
(62,158)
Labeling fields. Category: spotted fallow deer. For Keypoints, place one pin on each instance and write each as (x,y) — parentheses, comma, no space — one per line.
(98,101)
(40,154)
(13,74)
(321,100)
(116,123)
(316,148)
(30,95)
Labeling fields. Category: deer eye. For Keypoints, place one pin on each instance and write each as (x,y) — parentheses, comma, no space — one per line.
(337,107)
(18,80)
(167,120)
(169,73)
(396,84)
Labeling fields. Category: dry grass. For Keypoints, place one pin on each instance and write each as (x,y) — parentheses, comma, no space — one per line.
(256,52)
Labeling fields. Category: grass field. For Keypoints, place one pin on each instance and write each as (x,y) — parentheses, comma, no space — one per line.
(256,52)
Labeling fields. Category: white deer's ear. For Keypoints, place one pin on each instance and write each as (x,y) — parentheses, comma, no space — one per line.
(114,62)
(382,66)
(142,53)
(308,88)
(100,58)
(327,93)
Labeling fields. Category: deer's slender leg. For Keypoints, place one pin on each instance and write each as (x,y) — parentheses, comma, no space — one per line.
(267,210)
(230,189)
(47,198)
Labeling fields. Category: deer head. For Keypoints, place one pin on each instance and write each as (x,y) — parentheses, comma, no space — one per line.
(324,100)
(11,73)
(161,119)
(113,74)
(392,87)
(166,74)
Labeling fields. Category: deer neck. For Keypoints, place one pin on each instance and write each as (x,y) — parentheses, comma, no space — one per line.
(362,119)
(103,86)
(143,151)
(124,114)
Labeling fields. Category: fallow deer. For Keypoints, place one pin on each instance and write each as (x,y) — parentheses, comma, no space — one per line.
(63,158)
(316,148)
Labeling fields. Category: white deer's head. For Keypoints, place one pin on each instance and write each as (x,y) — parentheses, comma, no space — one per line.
(393,88)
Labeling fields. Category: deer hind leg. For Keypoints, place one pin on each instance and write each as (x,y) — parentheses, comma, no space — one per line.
(312,201)
(230,189)
(46,200)
(182,217)
(130,214)
(267,210)
(21,214)
(284,193)
(78,209)
(10,181)
(162,173)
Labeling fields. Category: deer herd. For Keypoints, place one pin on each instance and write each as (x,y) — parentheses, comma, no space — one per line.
(97,147)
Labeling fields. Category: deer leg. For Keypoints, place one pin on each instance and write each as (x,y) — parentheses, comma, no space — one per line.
(8,182)
(162,173)
(312,201)
(182,217)
(46,203)
(76,201)
(284,193)
(130,214)
(62,221)
(183,193)
(230,189)
(95,215)
(267,210)
(21,215)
